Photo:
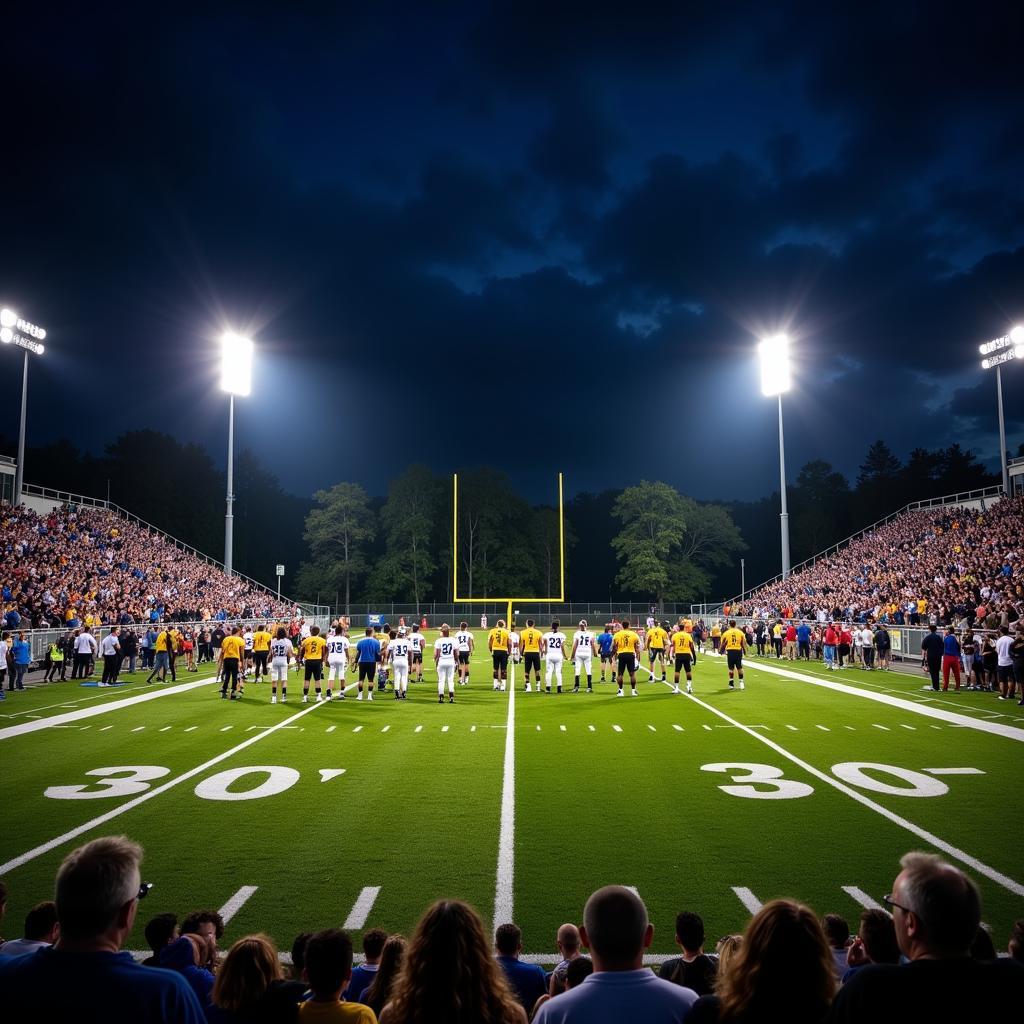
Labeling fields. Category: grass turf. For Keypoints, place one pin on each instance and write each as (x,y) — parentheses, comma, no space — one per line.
(606,790)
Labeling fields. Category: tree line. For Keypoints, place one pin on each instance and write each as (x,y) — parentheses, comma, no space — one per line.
(345,547)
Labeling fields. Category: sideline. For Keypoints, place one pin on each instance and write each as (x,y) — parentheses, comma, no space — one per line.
(506,834)
(913,707)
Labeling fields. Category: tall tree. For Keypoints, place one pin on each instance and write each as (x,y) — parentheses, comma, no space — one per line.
(878,484)
(653,517)
(409,518)
(820,503)
(337,532)
(710,542)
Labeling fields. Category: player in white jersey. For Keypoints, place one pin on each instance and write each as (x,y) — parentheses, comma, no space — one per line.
(417,643)
(281,652)
(513,645)
(444,662)
(247,642)
(582,655)
(464,647)
(337,660)
(553,650)
(398,654)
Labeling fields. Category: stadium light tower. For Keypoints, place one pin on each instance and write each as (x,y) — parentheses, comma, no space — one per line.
(774,352)
(996,352)
(29,337)
(235,379)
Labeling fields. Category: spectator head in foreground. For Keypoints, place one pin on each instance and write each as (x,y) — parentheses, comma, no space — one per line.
(578,971)
(98,891)
(876,939)
(508,940)
(41,929)
(160,931)
(249,969)
(616,929)
(449,973)
(782,971)
(727,948)
(328,964)
(392,957)
(936,908)
(690,932)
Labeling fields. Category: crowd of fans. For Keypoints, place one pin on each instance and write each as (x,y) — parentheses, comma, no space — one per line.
(945,566)
(930,959)
(80,566)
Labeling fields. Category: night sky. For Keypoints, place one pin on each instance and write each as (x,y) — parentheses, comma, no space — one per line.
(507,234)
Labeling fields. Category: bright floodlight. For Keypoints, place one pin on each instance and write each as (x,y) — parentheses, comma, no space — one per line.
(236,364)
(1017,336)
(6,335)
(774,353)
(8,318)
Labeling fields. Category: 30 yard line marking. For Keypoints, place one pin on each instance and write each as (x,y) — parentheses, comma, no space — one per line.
(747,898)
(361,910)
(953,771)
(235,904)
(102,819)
(862,897)
(81,700)
(929,837)
(506,831)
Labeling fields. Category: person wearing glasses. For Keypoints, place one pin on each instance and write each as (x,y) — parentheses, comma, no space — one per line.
(86,976)
(936,910)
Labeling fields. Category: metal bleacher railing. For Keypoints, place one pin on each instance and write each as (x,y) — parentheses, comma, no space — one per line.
(980,494)
(67,498)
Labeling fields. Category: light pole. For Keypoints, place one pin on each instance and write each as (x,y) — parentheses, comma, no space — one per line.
(235,379)
(14,330)
(996,352)
(774,352)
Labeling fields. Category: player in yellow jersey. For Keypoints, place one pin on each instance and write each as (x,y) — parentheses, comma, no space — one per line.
(529,642)
(260,651)
(626,645)
(657,638)
(734,643)
(313,650)
(683,649)
(716,638)
(230,659)
(498,644)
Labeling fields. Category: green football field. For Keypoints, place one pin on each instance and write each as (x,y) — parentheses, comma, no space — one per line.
(296,817)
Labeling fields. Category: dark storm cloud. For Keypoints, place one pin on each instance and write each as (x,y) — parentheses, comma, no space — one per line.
(553,263)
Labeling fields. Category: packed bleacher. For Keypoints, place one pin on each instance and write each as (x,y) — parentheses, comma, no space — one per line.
(930,959)
(949,565)
(82,566)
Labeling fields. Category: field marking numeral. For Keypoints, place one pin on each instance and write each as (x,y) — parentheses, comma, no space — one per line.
(277,781)
(762,774)
(136,779)
(920,784)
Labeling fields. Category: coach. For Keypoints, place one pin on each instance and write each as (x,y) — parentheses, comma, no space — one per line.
(932,648)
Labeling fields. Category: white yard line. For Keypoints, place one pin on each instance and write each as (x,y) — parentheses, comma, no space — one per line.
(116,812)
(913,706)
(747,898)
(506,833)
(862,897)
(10,731)
(957,854)
(361,910)
(235,904)
(81,700)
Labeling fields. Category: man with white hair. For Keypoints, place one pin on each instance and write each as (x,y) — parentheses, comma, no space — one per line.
(85,976)
(617,931)
(936,910)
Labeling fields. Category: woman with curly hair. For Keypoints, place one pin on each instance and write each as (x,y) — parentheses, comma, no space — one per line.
(449,975)
(783,971)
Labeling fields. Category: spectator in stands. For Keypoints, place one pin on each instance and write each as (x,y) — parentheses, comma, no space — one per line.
(568,942)
(617,931)
(160,931)
(85,977)
(449,973)
(189,955)
(210,925)
(250,986)
(694,969)
(837,931)
(528,981)
(41,929)
(936,911)
(1015,947)
(377,994)
(874,943)
(784,971)
(328,971)
(363,975)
